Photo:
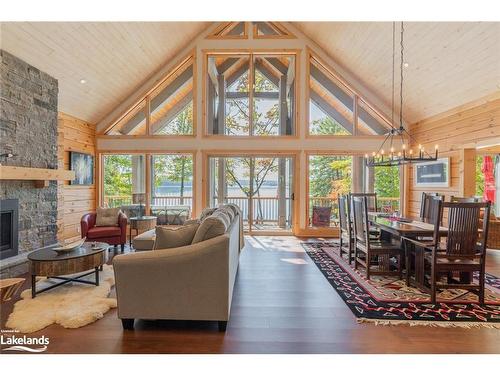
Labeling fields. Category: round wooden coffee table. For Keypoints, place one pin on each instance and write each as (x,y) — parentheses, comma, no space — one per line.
(49,263)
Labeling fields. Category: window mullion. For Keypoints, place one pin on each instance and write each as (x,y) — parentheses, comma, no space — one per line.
(251,79)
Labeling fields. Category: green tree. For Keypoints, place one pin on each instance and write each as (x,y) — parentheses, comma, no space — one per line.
(479,176)
(387,181)
(329,176)
(117,176)
(327,126)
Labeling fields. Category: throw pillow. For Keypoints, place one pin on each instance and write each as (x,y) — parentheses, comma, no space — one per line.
(206,213)
(107,217)
(212,226)
(167,238)
(222,214)
(228,210)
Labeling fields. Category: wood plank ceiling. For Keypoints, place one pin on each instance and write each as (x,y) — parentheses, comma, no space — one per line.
(113,57)
(450,63)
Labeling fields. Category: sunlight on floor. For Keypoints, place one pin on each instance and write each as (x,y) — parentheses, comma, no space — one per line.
(294,260)
(279,243)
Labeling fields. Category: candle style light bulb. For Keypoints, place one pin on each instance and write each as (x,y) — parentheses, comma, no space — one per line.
(404,146)
(382,152)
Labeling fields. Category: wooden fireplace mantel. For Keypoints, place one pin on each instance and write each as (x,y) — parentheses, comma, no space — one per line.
(41,176)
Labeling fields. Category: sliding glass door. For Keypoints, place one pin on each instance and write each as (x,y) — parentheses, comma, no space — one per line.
(261,186)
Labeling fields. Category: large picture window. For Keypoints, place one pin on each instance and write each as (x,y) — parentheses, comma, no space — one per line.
(262,187)
(172,185)
(124,186)
(250,94)
(329,178)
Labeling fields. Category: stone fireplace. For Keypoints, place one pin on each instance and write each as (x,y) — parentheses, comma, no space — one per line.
(28,130)
(8,228)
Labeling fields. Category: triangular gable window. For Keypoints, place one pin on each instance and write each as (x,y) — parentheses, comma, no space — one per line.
(230,30)
(163,107)
(263,30)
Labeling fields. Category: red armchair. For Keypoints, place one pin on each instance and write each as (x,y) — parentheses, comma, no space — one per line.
(116,235)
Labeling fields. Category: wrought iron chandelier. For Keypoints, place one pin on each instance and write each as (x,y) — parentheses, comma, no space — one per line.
(392,157)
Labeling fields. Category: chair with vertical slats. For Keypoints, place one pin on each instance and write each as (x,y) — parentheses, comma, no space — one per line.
(427,213)
(454,199)
(346,232)
(450,264)
(370,253)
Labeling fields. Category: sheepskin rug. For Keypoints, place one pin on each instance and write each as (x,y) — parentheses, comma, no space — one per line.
(72,305)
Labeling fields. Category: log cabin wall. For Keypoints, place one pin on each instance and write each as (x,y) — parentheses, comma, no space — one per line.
(74,200)
(457,133)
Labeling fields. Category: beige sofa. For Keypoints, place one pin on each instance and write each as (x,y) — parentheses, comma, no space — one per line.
(193,282)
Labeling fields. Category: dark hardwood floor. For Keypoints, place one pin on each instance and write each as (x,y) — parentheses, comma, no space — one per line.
(281,304)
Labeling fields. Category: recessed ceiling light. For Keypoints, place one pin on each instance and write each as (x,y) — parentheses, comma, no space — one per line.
(406,65)
(82,81)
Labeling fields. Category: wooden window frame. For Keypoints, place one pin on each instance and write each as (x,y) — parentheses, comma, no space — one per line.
(320,231)
(277,26)
(180,64)
(357,97)
(147,154)
(223,25)
(295,155)
(250,53)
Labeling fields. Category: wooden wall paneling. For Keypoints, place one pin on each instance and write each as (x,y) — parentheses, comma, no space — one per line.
(457,133)
(74,200)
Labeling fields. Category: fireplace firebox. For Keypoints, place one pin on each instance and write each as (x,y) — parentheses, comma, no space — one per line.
(9,218)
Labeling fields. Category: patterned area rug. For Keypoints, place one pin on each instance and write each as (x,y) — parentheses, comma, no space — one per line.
(388,301)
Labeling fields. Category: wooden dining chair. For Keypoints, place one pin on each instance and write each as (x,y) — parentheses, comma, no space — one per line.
(454,199)
(427,213)
(414,246)
(463,251)
(346,232)
(368,252)
(372,200)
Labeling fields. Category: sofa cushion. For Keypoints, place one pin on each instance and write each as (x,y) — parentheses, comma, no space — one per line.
(101,232)
(167,238)
(144,241)
(212,226)
(107,217)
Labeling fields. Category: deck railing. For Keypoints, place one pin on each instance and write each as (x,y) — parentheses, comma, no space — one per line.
(265,209)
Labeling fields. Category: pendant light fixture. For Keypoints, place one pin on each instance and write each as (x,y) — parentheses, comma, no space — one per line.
(398,133)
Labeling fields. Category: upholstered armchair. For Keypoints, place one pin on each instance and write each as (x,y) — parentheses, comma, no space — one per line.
(113,235)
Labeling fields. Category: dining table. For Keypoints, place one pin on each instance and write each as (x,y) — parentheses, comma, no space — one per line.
(394,228)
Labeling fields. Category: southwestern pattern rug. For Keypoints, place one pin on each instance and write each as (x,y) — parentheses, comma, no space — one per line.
(388,301)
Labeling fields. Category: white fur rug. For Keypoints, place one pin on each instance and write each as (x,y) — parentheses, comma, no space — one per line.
(72,305)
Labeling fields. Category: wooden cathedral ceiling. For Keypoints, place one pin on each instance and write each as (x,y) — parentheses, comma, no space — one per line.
(113,57)
(450,63)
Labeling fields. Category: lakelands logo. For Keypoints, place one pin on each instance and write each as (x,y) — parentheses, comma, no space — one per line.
(23,343)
